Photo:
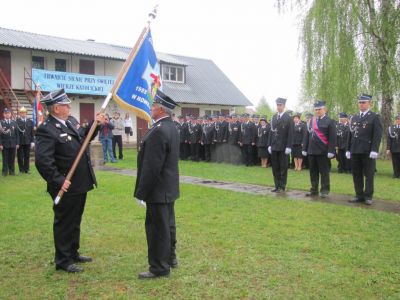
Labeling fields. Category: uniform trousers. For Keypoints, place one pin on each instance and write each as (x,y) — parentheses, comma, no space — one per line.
(396,164)
(363,167)
(319,165)
(23,158)
(207,152)
(195,151)
(67,227)
(8,155)
(182,154)
(279,162)
(247,154)
(161,236)
(117,139)
(344,164)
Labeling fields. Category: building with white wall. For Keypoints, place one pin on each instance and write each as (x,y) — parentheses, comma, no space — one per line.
(86,70)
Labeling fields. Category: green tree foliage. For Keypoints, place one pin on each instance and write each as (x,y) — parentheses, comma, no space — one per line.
(263,108)
(350,47)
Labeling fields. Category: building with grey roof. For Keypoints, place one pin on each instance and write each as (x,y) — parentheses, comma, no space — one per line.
(197,84)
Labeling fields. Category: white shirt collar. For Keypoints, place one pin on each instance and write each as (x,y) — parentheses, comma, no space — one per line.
(364,113)
(60,120)
(161,119)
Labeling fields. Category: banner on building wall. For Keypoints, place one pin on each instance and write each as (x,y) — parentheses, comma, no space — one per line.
(72,83)
(140,82)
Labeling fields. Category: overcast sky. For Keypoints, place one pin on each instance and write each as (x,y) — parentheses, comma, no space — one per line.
(254,45)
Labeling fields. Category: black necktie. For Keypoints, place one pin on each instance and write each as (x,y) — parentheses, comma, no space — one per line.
(362,115)
(279,116)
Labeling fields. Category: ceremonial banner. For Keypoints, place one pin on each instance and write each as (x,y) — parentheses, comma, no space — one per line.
(136,89)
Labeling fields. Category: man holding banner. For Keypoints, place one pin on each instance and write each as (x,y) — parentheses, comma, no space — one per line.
(58,141)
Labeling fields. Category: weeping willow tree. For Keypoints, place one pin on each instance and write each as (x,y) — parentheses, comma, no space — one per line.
(350,47)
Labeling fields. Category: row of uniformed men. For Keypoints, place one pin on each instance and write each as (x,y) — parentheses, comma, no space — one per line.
(16,137)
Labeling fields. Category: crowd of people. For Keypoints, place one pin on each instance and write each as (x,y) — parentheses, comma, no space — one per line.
(288,141)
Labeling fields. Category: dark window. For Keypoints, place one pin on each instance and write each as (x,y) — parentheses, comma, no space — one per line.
(86,66)
(38,62)
(207,112)
(61,65)
(225,112)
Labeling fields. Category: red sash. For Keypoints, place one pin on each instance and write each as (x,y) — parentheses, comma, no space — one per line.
(318,132)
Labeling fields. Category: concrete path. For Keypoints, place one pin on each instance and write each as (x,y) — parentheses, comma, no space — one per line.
(339,199)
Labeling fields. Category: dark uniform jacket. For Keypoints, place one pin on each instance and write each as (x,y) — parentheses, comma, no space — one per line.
(182,131)
(25,130)
(314,145)
(393,139)
(208,133)
(263,135)
(195,132)
(281,136)
(365,133)
(342,133)
(248,133)
(299,133)
(157,178)
(233,133)
(221,132)
(56,148)
(9,137)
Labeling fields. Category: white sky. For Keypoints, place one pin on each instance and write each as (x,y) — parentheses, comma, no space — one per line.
(254,45)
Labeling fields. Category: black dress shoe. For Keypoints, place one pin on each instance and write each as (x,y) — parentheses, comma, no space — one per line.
(173,263)
(72,268)
(83,259)
(356,200)
(149,275)
(311,194)
(275,190)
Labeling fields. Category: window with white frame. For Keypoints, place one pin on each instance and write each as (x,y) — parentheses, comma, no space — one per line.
(173,73)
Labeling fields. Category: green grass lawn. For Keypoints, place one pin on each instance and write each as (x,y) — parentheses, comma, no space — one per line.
(385,186)
(230,246)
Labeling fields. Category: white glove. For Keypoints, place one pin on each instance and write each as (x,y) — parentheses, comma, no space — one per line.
(140,202)
(32,145)
(304,153)
(348,154)
(331,155)
(373,155)
(269,150)
(288,151)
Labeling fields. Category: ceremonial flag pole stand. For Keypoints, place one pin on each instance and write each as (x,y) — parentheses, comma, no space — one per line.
(121,74)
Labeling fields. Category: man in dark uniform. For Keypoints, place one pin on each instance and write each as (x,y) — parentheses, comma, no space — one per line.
(342,134)
(363,148)
(393,146)
(280,144)
(25,131)
(319,145)
(247,140)
(58,141)
(9,142)
(257,125)
(233,140)
(194,139)
(157,183)
(182,130)
(221,138)
(207,138)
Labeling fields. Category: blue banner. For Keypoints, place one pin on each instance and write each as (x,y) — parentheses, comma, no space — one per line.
(137,88)
(73,83)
